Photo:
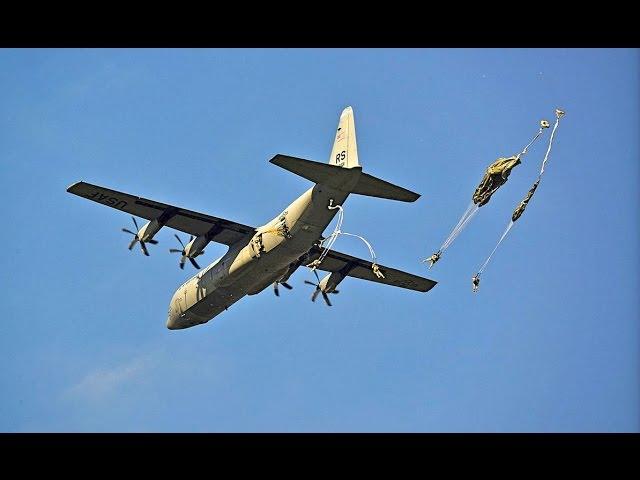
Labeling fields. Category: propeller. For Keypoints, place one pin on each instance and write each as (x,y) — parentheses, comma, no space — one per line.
(137,239)
(184,253)
(319,290)
(284,284)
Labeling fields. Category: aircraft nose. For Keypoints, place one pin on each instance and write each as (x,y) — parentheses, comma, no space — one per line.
(172,319)
(177,323)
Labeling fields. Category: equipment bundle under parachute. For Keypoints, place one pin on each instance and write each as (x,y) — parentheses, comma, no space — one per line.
(494,177)
(519,210)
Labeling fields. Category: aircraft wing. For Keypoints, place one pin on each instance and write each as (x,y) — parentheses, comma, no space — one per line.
(194,223)
(358,268)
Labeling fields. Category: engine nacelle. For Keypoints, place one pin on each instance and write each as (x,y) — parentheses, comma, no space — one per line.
(330,281)
(196,246)
(152,227)
(149,229)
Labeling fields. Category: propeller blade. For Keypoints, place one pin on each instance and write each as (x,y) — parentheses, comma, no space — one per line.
(310,283)
(336,291)
(193,262)
(326,298)
(315,295)
(182,260)
(152,241)
(175,250)
(179,240)
(144,248)
(286,285)
(129,231)
(133,242)
(135,223)
(316,272)
(275,289)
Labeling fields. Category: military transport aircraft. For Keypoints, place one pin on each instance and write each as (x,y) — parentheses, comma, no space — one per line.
(259,257)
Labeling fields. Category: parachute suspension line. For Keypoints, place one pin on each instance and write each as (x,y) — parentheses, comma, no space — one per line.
(543,124)
(328,242)
(486,262)
(559,113)
(468,214)
(374,264)
(475,280)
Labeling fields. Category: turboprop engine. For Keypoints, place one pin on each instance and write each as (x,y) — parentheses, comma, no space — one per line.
(325,286)
(194,248)
(144,234)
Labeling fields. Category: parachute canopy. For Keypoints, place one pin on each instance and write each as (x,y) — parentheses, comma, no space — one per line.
(495,176)
(523,204)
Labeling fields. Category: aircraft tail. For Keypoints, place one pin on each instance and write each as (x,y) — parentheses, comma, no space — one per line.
(345,149)
(343,167)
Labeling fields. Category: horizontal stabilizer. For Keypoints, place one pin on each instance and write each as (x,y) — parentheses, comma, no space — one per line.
(374,187)
(324,173)
(337,177)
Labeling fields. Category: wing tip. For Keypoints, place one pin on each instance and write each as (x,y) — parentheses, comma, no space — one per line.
(408,197)
(432,283)
(413,196)
(278,159)
(70,187)
(426,286)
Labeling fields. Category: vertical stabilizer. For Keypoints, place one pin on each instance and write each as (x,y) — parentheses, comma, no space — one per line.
(345,148)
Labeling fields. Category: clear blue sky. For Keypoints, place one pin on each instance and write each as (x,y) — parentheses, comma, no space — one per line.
(550,344)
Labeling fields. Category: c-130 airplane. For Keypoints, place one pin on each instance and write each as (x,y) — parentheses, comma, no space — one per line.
(270,254)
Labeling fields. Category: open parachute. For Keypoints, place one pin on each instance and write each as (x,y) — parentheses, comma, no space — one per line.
(525,201)
(494,177)
(519,210)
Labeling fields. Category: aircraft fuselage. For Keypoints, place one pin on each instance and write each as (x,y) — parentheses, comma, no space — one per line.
(249,267)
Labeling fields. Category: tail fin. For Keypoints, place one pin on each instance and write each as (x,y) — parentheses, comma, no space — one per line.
(345,149)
